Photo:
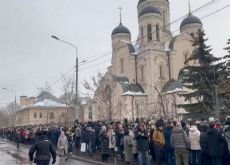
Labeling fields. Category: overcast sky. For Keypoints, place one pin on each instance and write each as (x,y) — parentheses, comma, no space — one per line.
(29,57)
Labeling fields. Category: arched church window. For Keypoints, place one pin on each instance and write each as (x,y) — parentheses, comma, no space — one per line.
(40,115)
(186,56)
(35,115)
(142,72)
(192,34)
(161,71)
(149,32)
(51,115)
(122,65)
(157,32)
(164,19)
(142,31)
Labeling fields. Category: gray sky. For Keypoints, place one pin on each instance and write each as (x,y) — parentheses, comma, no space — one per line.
(29,57)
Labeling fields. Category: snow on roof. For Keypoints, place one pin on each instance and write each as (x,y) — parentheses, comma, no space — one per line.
(166,47)
(174,91)
(48,103)
(130,93)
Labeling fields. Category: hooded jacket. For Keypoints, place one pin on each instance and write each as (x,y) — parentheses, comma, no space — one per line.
(179,139)
(194,137)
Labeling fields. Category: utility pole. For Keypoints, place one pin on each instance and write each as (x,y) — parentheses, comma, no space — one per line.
(77,109)
(78,115)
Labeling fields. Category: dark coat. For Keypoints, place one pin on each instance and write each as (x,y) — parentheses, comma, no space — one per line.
(215,142)
(167,134)
(43,148)
(86,136)
(203,142)
(142,141)
(104,144)
(119,138)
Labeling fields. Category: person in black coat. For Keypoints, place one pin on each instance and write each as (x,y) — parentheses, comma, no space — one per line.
(215,142)
(105,152)
(142,138)
(170,153)
(205,158)
(43,149)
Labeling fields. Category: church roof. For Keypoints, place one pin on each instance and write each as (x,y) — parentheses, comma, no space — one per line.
(131,48)
(128,88)
(132,89)
(149,10)
(121,29)
(190,19)
(172,87)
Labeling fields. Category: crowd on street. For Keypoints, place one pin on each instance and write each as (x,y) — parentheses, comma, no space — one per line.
(170,142)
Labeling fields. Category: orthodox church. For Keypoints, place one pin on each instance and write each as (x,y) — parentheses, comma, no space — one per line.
(142,81)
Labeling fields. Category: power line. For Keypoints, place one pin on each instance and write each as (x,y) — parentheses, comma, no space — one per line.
(216,11)
(98,55)
(95,65)
(110,52)
(96,59)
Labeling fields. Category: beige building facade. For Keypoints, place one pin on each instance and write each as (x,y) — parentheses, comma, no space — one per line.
(44,109)
(143,80)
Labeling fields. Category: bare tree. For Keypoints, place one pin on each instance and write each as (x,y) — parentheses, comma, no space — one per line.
(45,88)
(7,115)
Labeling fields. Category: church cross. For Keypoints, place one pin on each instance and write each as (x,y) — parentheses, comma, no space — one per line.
(189,7)
(120,8)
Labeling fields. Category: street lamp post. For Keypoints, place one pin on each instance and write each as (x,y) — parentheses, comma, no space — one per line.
(68,43)
(15,104)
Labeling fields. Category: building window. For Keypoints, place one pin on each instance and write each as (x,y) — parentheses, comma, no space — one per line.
(40,115)
(90,113)
(186,56)
(164,19)
(149,32)
(142,31)
(35,115)
(122,65)
(157,32)
(62,114)
(142,72)
(161,71)
(51,115)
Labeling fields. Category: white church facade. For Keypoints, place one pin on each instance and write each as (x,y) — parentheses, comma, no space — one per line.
(142,81)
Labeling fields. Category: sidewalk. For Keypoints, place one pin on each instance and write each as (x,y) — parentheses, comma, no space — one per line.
(80,157)
(95,158)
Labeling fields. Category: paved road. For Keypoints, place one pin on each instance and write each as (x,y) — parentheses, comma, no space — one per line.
(9,155)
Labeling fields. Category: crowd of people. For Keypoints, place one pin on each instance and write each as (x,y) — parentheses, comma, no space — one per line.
(163,141)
